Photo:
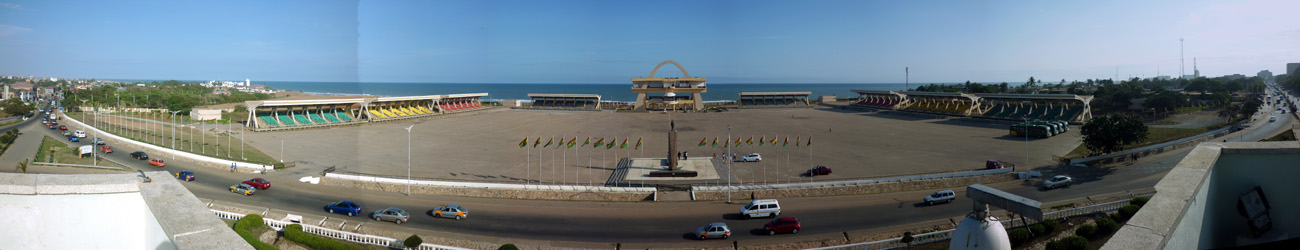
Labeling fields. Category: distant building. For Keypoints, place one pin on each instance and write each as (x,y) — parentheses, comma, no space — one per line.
(220,91)
(1291,68)
(205,114)
(23,86)
(1265,75)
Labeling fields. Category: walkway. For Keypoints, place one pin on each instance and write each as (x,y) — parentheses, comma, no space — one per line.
(24,146)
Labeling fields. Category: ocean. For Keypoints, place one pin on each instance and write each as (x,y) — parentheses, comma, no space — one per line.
(608,92)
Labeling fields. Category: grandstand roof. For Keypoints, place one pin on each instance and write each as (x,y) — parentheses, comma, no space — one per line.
(254,104)
(465,95)
(1085,98)
(408,98)
(530,95)
(948,94)
(775,93)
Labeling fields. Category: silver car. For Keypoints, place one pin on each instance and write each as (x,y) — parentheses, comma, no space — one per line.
(713,230)
(451,211)
(396,215)
(243,189)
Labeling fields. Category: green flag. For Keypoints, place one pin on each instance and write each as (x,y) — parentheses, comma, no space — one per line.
(624,144)
(638,143)
(588,141)
(703,141)
(715,143)
(573,141)
(786,142)
(537,142)
(611,143)
(523,143)
(549,142)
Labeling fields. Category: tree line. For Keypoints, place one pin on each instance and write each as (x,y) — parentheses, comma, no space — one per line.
(172,95)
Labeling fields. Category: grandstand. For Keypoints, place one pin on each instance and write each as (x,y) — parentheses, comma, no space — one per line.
(298,114)
(1064,107)
(1071,108)
(278,115)
(460,102)
(774,99)
(565,101)
(396,108)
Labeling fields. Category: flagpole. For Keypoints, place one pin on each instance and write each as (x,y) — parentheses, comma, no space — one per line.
(553,165)
(565,161)
(728,163)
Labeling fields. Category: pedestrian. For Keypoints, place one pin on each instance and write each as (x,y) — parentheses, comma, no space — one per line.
(232,167)
(686,155)
(679,155)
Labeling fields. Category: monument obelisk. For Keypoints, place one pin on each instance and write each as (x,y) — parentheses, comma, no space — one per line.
(672,146)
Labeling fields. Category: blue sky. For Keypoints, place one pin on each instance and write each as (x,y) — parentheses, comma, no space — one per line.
(613,41)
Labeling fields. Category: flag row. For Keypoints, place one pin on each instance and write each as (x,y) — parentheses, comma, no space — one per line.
(703,142)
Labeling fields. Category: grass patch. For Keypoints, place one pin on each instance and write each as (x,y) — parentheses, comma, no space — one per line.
(1063,206)
(1154,136)
(213,143)
(66,153)
(249,228)
(294,233)
(10,122)
(1287,135)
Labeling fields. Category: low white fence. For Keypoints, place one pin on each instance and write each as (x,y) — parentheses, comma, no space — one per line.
(947,234)
(202,159)
(858,182)
(386,180)
(336,234)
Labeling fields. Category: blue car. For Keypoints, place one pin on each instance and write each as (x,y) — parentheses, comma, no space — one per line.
(73,138)
(344,207)
(185,175)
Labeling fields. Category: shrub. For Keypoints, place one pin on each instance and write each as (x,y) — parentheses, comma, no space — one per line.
(1105,225)
(1051,224)
(244,227)
(1128,211)
(508,247)
(1037,229)
(413,242)
(907,238)
(1068,243)
(294,233)
(1018,235)
(1139,201)
(1115,216)
(1085,230)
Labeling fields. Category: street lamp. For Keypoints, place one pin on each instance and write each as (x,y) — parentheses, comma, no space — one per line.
(408,159)
(729,144)
(173,139)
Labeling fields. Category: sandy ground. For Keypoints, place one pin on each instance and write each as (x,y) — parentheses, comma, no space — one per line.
(483,146)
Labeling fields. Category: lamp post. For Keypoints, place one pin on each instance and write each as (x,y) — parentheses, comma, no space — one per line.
(729,144)
(173,139)
(408,159)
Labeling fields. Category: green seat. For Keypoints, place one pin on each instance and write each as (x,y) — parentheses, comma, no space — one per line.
(330,117)
(316,117)
(345,117)
(302,119)
(284,118)
(268,120)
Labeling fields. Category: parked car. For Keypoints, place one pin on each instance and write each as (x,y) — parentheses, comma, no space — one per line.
(782,225)
(139,155)
(819,170)
(259,183)
(992,164)
(62,127)
(80,133)
(940,196)
(157,162)
(1272,118)
(185,175)
(73,138)
(1057,181)
(97,141)
(52,126)
(761,208)
(713,230)
(751,157)
(396,215)
(66,133)
(451,211)
(244,189)
(343,207)
(106,149)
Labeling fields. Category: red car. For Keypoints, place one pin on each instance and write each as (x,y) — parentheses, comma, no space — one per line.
(819,170)
(782,225)
(61,127)
(992,164)
(258,183)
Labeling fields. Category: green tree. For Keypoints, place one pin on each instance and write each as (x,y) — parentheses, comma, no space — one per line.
(1230,111)
(1110,133)
(14,106)
(413,242)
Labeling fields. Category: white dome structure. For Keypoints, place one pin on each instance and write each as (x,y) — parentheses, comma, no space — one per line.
(976,233)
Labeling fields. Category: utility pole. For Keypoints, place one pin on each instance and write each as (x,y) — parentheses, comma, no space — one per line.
(729,144)
(173,139)
(907,78)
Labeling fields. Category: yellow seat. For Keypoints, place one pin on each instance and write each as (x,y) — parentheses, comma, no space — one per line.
(376,114)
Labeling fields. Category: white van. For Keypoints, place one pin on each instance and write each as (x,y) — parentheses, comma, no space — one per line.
(80,134)
(761,208)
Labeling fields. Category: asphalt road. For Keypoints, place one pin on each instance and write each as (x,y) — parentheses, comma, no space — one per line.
(659,222)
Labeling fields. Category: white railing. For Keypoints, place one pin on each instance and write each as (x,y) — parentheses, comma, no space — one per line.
(336,234)
(491,185)
(947,234)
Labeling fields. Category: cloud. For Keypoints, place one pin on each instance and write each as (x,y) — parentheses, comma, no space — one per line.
(11,6)
(7,30)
